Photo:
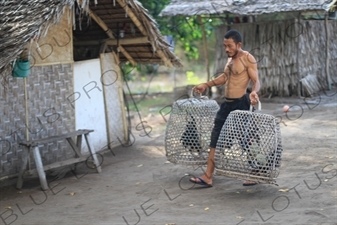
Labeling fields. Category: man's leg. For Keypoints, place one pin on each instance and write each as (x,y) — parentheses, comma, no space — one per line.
(208,175)
(219,121)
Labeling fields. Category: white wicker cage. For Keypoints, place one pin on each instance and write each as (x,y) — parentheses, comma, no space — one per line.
(188,130)
(249,147)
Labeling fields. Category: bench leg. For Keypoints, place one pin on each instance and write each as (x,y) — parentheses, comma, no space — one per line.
(23,168)
(79,143)
(74,147)
(93,153)
(39,167)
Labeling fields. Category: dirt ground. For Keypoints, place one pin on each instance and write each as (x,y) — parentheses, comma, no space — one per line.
(138,186)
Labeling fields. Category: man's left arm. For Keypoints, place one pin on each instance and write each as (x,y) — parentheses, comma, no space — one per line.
(253,75)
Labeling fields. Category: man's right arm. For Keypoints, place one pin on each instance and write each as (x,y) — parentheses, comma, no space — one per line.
(220,80)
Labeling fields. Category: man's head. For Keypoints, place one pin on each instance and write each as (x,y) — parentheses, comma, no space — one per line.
(232,42)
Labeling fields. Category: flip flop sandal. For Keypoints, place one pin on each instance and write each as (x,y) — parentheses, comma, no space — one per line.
(202,182)
(249,184)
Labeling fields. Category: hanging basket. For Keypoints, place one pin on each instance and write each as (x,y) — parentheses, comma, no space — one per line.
(21,68)
(249,147)
(188,131)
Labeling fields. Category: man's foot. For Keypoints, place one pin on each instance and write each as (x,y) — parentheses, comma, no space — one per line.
(202,180)
(249,183)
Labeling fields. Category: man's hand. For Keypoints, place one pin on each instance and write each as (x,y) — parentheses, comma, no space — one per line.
(254,98)
(199,89)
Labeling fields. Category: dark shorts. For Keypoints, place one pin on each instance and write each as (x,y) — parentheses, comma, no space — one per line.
(242,103)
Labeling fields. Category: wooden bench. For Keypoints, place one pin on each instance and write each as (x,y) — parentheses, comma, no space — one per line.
(40,168)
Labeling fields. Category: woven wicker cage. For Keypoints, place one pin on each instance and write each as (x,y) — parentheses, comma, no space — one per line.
(189,130)
(249,147)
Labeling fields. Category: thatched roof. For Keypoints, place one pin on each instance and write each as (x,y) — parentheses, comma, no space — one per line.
(239,7)
(333,6)
(21,21)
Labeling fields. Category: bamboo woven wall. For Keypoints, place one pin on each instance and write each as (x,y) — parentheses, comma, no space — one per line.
(49,114)
(313,50)
(274,45)
(56,46)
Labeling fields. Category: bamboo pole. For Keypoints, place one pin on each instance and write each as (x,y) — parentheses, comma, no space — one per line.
(142,29)
(26,108)
(327,72)
(167,62)
(101,23)
(26,115)
(124,41)
(205,47)
(133,17)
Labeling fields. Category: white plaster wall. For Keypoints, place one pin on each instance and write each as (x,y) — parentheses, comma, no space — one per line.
(89,102)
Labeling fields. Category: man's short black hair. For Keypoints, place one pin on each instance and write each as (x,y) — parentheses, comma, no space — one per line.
(235,35)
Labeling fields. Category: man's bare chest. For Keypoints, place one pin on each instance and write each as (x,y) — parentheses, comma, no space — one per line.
(236,67)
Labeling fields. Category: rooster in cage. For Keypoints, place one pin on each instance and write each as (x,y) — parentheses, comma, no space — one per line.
(191,138)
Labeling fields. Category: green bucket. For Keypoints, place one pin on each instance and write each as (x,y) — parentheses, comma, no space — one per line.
(21,68)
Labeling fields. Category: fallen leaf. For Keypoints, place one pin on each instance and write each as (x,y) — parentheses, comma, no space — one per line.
(322,209)
(191,205)
(237,192)
(239,217)
(167,162)
(140,165)
(138,183)
(283,190)
(170,224)
(8,207)
(249,190)
(20,192)
(206,208)
(72,193)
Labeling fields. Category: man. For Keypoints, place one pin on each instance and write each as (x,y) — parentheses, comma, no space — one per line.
(241,68)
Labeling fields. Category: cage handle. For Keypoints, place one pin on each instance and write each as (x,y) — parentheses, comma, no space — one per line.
(193,94)
(258,106)
(199,96)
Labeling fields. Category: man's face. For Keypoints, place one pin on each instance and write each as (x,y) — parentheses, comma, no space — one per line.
(230,47)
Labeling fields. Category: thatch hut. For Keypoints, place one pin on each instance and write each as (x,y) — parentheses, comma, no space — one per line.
(289,39)
(75,48)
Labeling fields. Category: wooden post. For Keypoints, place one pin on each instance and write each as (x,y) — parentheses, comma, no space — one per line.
(327,59)
(205,47)
(121,99)
(103,48)
(298,63)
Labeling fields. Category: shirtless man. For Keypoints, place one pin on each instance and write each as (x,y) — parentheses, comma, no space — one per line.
(241,68)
